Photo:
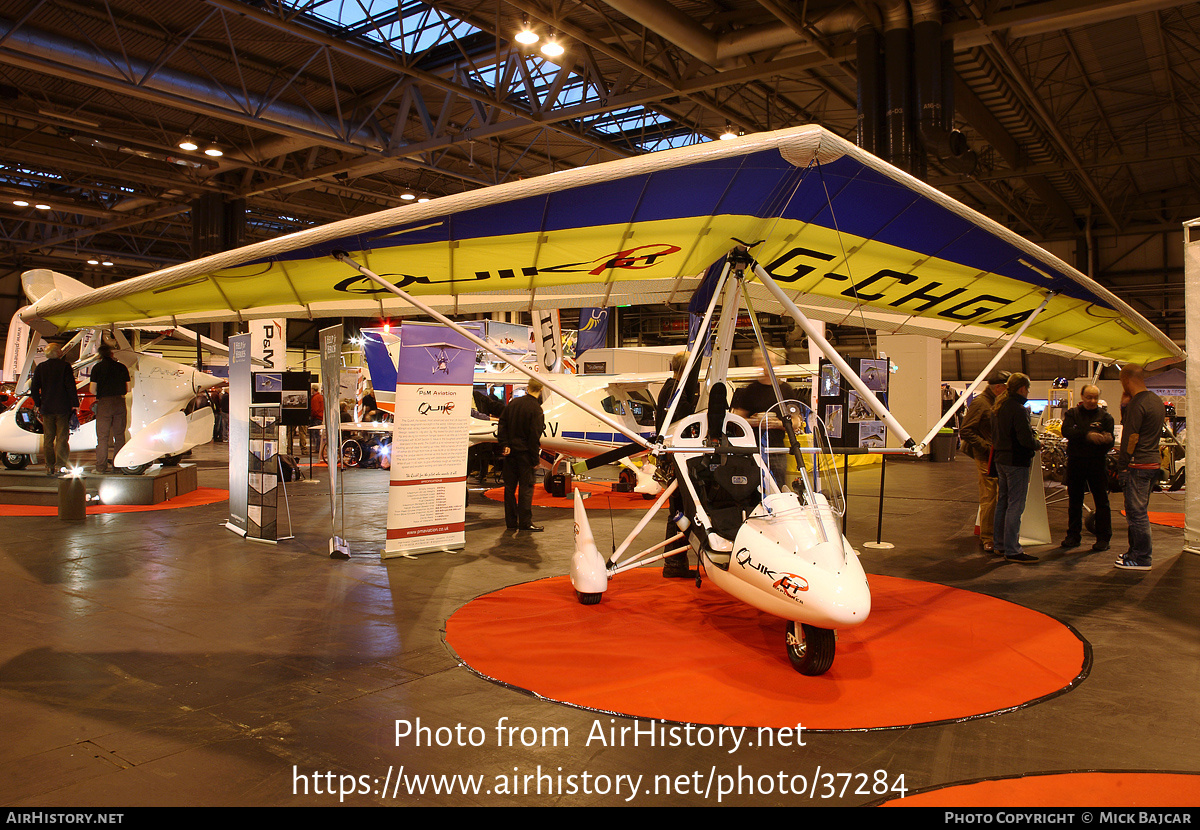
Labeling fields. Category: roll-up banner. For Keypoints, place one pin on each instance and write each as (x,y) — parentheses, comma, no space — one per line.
(331,372)
(239,432)
(427,497)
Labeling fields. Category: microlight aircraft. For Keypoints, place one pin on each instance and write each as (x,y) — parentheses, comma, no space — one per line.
(159,391)
(805,222)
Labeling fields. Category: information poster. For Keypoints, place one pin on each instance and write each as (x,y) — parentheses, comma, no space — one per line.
(263,493)
(428,493)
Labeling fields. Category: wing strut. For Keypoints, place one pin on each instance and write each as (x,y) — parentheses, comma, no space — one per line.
(986,370)
(344,257)
(836,359)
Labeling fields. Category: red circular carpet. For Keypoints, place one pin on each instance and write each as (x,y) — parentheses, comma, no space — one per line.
(600,495)
(656,648)
(1066,789)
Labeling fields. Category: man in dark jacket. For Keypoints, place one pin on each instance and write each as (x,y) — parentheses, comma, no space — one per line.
(976,435)
(1089,433)
(55,396)
(1015,447)
(110,383)
(520,435)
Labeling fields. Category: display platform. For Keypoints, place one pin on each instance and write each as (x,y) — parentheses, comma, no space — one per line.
(657,648)
(199,496)
(1092,789)
(33,487)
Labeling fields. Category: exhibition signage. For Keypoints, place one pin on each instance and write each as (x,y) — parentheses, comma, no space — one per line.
(593,330)
(239,431)
(14,354)
(427,497)
(331,372)
(550,350)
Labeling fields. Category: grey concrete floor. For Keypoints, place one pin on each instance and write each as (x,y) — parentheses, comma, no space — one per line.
(158,659)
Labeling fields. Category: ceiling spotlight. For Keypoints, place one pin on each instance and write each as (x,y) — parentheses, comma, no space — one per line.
(213,151)
(552,48)
(422,200)
(20,203)
(408,197)
(106,263)
(729,133)
(188,143)
(42,206)
(526,36)
(93,262)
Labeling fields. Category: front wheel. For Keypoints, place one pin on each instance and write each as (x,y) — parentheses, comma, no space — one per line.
(811,649)
(352,452)
(14,461)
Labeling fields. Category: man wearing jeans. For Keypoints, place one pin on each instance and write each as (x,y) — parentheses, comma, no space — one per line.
(1138,463)
(1015,448)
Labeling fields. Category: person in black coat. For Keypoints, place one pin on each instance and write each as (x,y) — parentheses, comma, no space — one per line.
(520,436)
(1015,447)
(56,398)
(110,384)
(1089,432)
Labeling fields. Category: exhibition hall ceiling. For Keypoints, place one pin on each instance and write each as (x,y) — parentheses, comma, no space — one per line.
(1081,119)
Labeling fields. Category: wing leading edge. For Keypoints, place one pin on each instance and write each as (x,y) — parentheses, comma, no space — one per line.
(832,225)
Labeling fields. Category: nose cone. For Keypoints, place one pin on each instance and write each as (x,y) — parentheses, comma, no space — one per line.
(202,381)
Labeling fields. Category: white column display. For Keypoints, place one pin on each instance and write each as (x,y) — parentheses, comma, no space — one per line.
(1191,301)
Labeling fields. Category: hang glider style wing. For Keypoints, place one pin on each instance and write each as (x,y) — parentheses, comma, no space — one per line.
(835,226)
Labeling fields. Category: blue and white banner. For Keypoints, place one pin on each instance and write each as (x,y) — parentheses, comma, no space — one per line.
(593,330)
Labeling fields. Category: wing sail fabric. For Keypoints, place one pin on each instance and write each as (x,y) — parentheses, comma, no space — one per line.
(829,221)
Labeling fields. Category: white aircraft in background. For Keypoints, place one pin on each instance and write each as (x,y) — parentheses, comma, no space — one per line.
(571,434)
(159,391)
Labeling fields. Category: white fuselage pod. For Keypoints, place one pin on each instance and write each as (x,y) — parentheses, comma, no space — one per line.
(14,439)
(783,565)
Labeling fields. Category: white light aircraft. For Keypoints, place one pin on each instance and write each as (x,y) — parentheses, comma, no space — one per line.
(159,391)
(805,221)
(571,434)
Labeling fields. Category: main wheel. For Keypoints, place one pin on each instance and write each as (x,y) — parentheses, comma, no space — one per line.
(14,461)
(588,599)
(352,452)
(811,650)
(136,470)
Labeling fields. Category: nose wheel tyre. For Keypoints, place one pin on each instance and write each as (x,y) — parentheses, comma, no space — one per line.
(810,649)
(14,461)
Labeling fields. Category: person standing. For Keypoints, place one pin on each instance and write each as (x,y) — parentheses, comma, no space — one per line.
(1138,463)
(675,566)
(520,436)
(56,398)
(110,384)
(316,417)
(1015,447)
(1089,433)
(976,435)
(758,397)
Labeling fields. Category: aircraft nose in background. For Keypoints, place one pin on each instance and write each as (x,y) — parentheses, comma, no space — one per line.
(201,381)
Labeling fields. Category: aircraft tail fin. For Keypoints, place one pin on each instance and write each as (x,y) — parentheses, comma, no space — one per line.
(42,282)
